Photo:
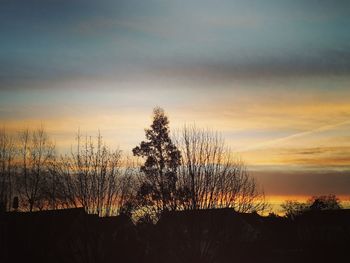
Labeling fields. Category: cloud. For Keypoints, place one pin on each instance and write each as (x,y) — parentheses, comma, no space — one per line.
(304,183)
(54,41)
(260,67)
(281,141)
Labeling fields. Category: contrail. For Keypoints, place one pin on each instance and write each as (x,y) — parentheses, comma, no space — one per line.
(297,135)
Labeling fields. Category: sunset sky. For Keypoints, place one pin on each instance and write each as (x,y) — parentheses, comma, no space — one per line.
(273,76)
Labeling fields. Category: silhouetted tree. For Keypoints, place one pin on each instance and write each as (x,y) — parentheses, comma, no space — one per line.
(162,158)
(292,208)
(63,193)
(95,177)
(7,170)
(57,186)
(37,154)
(210,177)
(324,202)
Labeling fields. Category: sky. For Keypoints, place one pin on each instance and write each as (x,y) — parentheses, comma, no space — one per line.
(272,76)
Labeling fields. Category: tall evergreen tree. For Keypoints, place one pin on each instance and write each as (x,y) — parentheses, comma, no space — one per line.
(162,159)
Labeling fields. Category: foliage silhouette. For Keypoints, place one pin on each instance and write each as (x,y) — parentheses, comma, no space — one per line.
(157,189)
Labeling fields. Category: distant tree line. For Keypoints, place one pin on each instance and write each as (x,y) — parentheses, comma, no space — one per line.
(192,169)
(293,208)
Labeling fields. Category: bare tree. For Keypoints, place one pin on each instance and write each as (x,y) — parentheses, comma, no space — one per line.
(95,177)
(210,176)
(7,170)
(37,154)
(59,185)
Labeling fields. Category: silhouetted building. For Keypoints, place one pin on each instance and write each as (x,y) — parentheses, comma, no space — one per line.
(212,235)
(67,235)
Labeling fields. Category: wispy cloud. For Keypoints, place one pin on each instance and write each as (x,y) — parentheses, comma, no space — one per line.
(282,140)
